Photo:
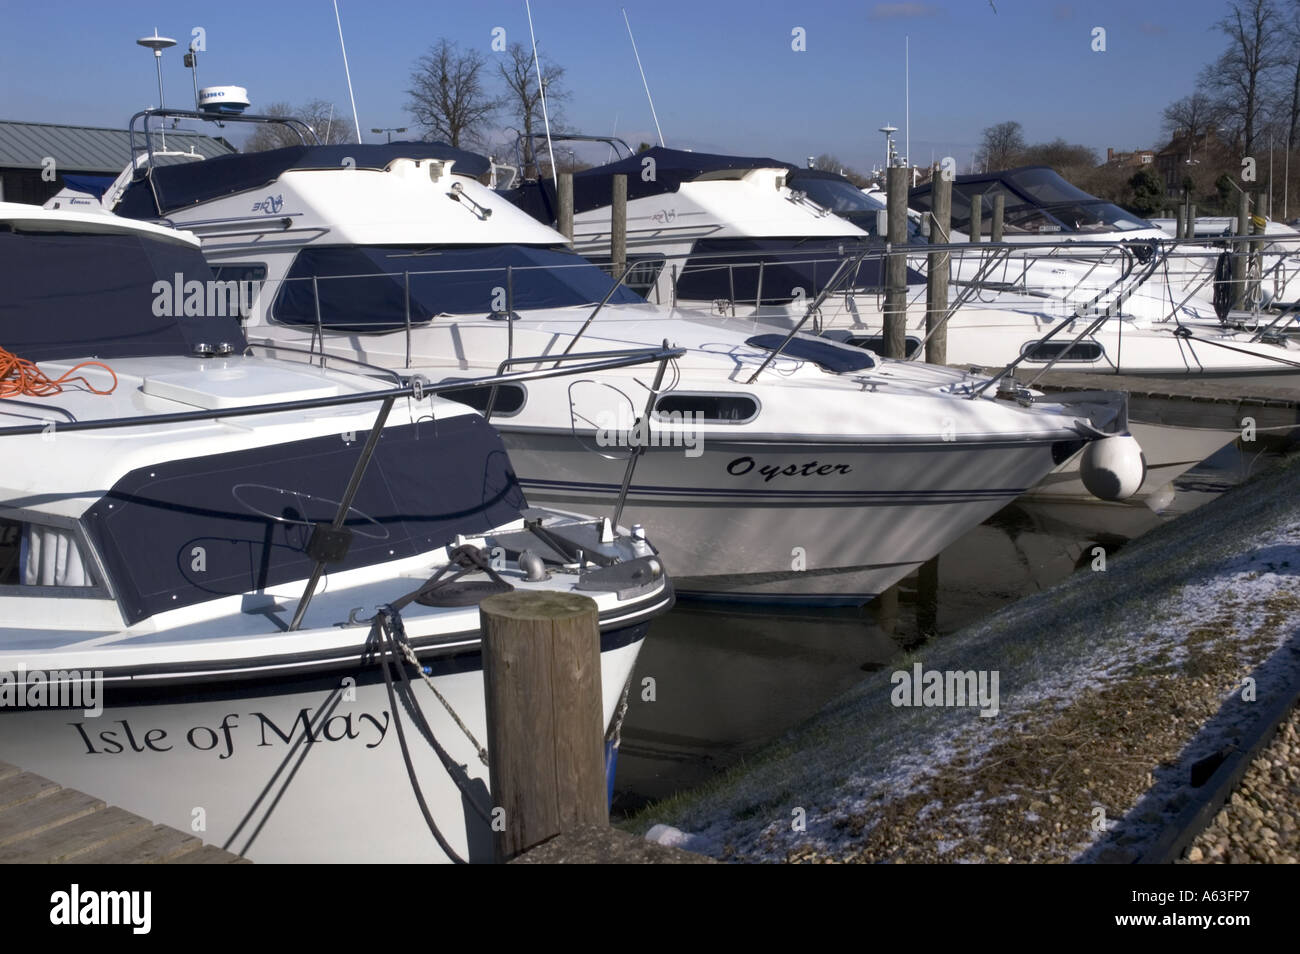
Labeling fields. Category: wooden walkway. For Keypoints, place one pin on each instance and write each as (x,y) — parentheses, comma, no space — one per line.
(41,822)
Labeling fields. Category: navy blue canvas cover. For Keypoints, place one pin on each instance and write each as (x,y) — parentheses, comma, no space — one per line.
(363,288)
(69,295)
(672,167)
(183,185)
(250,511)
(720,269)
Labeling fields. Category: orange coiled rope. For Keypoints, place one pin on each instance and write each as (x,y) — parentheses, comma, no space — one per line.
(22,378)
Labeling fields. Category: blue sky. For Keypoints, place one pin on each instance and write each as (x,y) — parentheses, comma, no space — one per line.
(722,72)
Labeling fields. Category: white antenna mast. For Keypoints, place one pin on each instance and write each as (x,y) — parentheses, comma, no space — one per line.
(541,88)
(347,72)
(643,80)
(907,101)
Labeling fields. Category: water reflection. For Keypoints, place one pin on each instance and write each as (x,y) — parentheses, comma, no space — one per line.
(729,678)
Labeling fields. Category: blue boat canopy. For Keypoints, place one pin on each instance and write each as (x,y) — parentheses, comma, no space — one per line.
(131,283)
(671,167)
(182,185)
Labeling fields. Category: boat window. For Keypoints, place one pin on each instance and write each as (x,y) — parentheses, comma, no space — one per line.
(828,355)
(644,274)
(35,555)
(240,272)
(876,343)
(509,401)
(366,288)
(707,408)
(1063,351)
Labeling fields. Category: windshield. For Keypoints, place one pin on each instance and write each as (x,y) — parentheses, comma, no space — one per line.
(364,287)
(1035,201)
(848,201)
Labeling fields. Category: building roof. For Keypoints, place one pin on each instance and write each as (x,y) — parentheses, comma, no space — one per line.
(87,148)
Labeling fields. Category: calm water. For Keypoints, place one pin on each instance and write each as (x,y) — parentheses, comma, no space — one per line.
(728,679)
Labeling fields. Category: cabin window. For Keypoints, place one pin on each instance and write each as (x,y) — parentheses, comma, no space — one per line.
(36,556)
(1063,351)
(240,272)
(876,343)
(510,398)
(707,408)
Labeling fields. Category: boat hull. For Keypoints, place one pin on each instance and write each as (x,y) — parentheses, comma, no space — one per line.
(302,769)
(734,523)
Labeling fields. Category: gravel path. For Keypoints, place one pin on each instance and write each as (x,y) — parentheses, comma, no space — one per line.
(1261,823)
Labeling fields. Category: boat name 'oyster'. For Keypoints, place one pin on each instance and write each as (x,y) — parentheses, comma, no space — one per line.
(813,468)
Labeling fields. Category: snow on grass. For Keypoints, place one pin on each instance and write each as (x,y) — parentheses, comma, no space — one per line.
(1220,566)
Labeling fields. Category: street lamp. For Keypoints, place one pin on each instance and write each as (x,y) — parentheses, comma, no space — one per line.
(158,44)
(390,130)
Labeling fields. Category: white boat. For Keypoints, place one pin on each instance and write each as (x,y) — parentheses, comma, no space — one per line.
(800,471)
(752,240)
(195,566)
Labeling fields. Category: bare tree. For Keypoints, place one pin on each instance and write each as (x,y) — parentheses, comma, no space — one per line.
(324,117)
(524,99)
(1189,117)
(1290,105)
(447,97)
(1058,154)
(1001,146)
(1238,80)
(829,163)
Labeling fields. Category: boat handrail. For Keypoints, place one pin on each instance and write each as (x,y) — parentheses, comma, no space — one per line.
(416,387)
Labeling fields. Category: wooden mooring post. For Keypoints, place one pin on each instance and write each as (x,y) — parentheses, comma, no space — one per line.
(1239,260)
(618,225)
(1190,224)
(999,207)
(545,724)
(936,282)
(895,330)
(564,206)
(1180,227)
(976,216)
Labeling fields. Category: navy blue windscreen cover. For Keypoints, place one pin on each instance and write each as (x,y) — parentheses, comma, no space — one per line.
(825,354)
(363,287)
(720,269)
(69,295)
(250,511)
(592,187)
(182,185)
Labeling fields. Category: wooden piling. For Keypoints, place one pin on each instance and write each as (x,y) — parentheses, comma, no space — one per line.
(1180,226)
(999,206)
(618,225)
(1239,259)
(936,283)
(976,216)
(545,725)
(564,206)
(895,330)
(1190,224)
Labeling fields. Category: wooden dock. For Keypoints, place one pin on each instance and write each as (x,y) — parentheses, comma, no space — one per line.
(41,822)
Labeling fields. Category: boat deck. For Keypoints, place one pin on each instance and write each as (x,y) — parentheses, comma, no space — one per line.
(41,822)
